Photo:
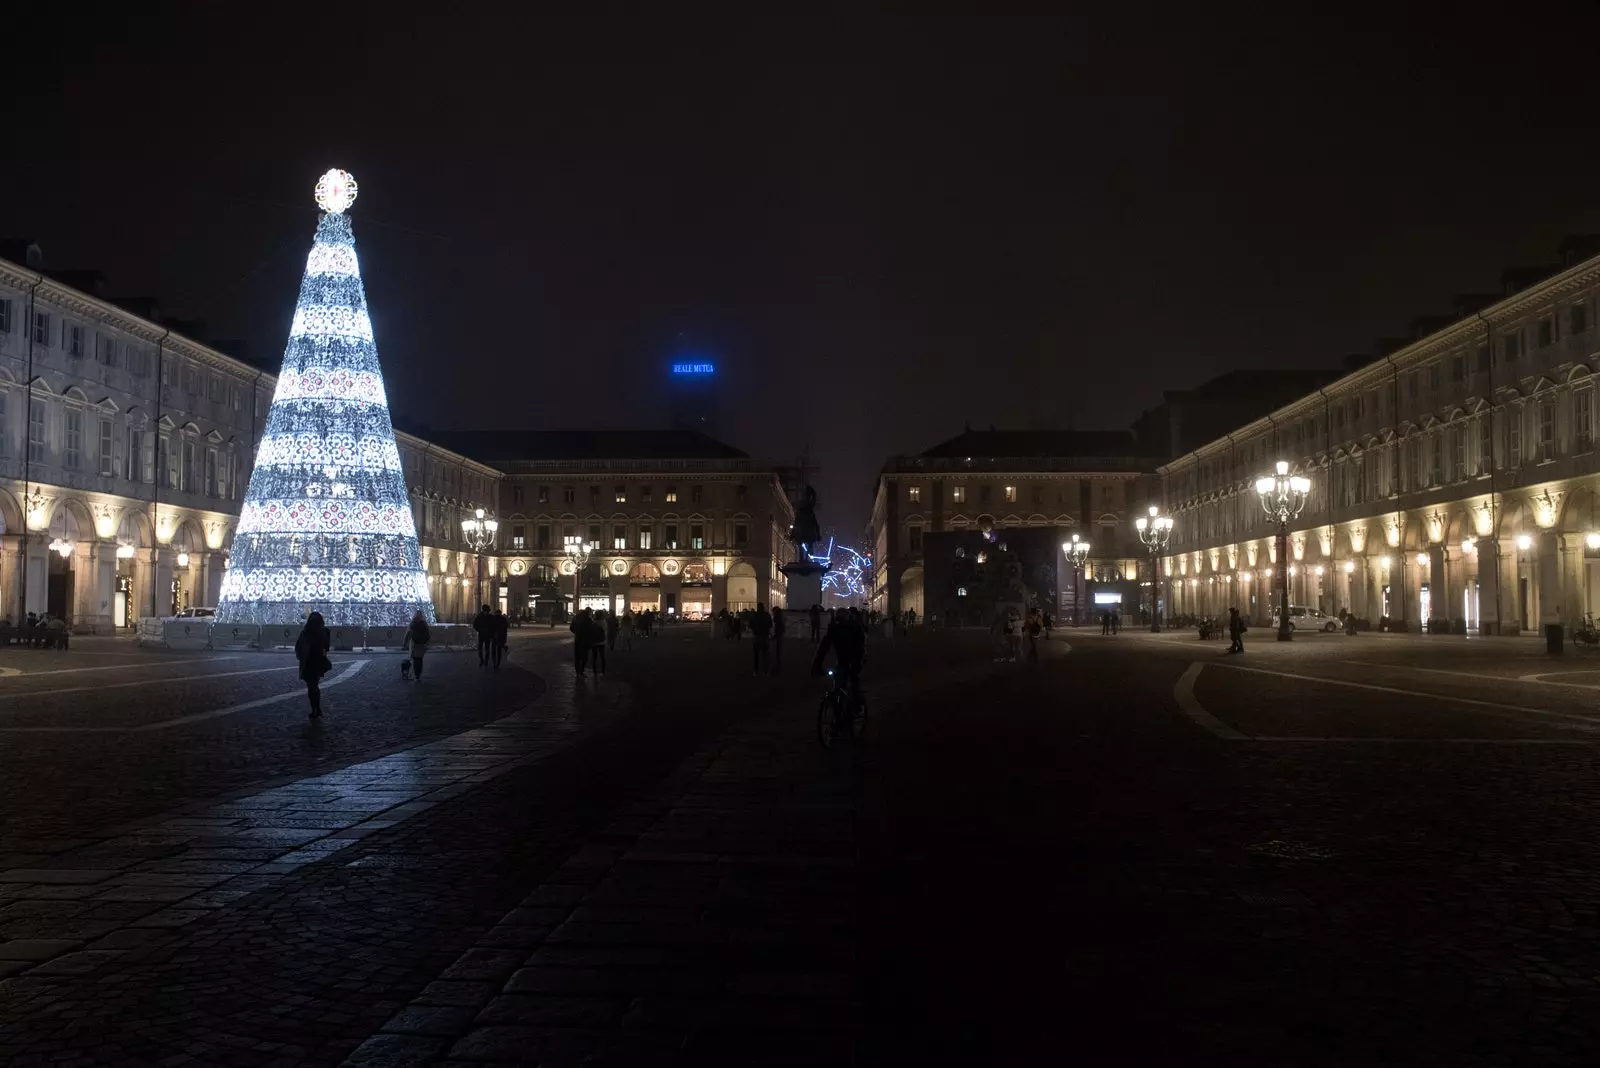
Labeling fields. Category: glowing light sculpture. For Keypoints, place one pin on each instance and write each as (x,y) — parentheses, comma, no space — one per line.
(326,525)
(846,571)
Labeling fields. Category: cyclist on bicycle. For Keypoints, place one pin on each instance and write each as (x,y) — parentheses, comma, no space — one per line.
(847,637)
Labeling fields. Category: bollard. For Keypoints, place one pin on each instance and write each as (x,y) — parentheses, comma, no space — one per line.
(1552,638)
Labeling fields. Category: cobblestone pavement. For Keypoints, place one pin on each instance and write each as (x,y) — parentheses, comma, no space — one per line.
(329,942)
(1112,877)
(1354,852)
(77,755)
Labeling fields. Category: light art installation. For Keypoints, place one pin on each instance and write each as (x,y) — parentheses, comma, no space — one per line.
(326,525)
(846,576)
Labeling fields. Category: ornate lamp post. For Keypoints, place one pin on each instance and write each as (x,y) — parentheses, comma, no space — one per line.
(478,532)
(1077,551)
(1282,497)
(578,551)
(1154,530)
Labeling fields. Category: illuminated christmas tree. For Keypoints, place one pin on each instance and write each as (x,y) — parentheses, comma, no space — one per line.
(326,525)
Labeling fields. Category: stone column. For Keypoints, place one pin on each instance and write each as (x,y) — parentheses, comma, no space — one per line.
(160,591)
(1490,607)
(1550,570)
(616,586)
(1440,588)
(210,581)
(1512,619)
(1572,599)
(11,577)
(719,593)
(673,585)
(94,585)
(1458,579)
(36,575)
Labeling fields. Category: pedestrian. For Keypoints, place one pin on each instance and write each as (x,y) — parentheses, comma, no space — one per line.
(502,636)
(612,628)
(1116,621)
(1048,623)
(630,623)
(311,649)
(417,641)
(816,622)
(1032,628)
(1013,639)
(597,642)
(582,627)
(1105,622)
(778,627)
(58,633)
(483,624)
(760,633)
(1235,631)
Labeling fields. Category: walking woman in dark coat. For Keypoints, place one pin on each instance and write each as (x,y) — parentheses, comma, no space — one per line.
(311,649)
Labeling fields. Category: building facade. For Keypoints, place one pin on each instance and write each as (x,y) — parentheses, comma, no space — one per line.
(682,523)
(125,451)
(1086,482)
(1453,479)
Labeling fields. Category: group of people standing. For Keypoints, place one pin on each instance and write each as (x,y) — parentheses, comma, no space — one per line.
(593,632)
(494,631)
(37,632)
(1010,631)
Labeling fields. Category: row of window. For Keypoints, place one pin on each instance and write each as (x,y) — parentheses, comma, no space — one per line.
(619,494)
(1425,383)
(136,360)
(1064,495)
(72,338)
(89,442)
(543,535)
(1436,458)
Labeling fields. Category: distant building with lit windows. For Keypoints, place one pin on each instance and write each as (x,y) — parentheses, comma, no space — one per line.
(683,523)
(1085,482)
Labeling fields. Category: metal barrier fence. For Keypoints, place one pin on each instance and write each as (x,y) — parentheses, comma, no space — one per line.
(196,634)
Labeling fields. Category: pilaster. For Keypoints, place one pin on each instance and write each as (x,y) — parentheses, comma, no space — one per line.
(1572,599)
(1490,599)
(1549,568)
(1441,590)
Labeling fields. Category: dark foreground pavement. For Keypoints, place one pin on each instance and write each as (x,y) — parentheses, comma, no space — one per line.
(1138,852)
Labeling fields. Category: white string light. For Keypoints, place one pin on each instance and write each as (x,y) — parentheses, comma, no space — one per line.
(327,487)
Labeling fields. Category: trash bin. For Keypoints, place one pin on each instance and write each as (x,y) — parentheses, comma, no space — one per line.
(1552,639)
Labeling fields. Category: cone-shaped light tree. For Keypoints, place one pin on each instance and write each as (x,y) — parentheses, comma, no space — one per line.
(326,524)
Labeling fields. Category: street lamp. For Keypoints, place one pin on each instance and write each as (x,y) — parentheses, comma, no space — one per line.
(1077,551)
(578,551)
(478,532)
(1282,497)
(1154,531)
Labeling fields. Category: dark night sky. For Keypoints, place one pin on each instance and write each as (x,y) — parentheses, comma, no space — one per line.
(927,222)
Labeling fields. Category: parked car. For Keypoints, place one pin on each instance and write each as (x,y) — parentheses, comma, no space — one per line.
(1301,615)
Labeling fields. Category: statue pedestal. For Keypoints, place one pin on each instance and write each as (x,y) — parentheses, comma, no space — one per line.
(805,585)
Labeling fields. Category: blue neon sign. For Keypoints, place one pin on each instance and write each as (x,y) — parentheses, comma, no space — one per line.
(694,368)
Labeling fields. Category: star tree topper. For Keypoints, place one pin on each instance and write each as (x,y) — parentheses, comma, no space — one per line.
(336,191)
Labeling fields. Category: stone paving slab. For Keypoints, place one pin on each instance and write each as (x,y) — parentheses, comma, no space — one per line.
(711,921)
(177,859)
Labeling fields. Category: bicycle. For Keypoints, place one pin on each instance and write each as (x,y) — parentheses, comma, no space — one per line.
(843,710)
